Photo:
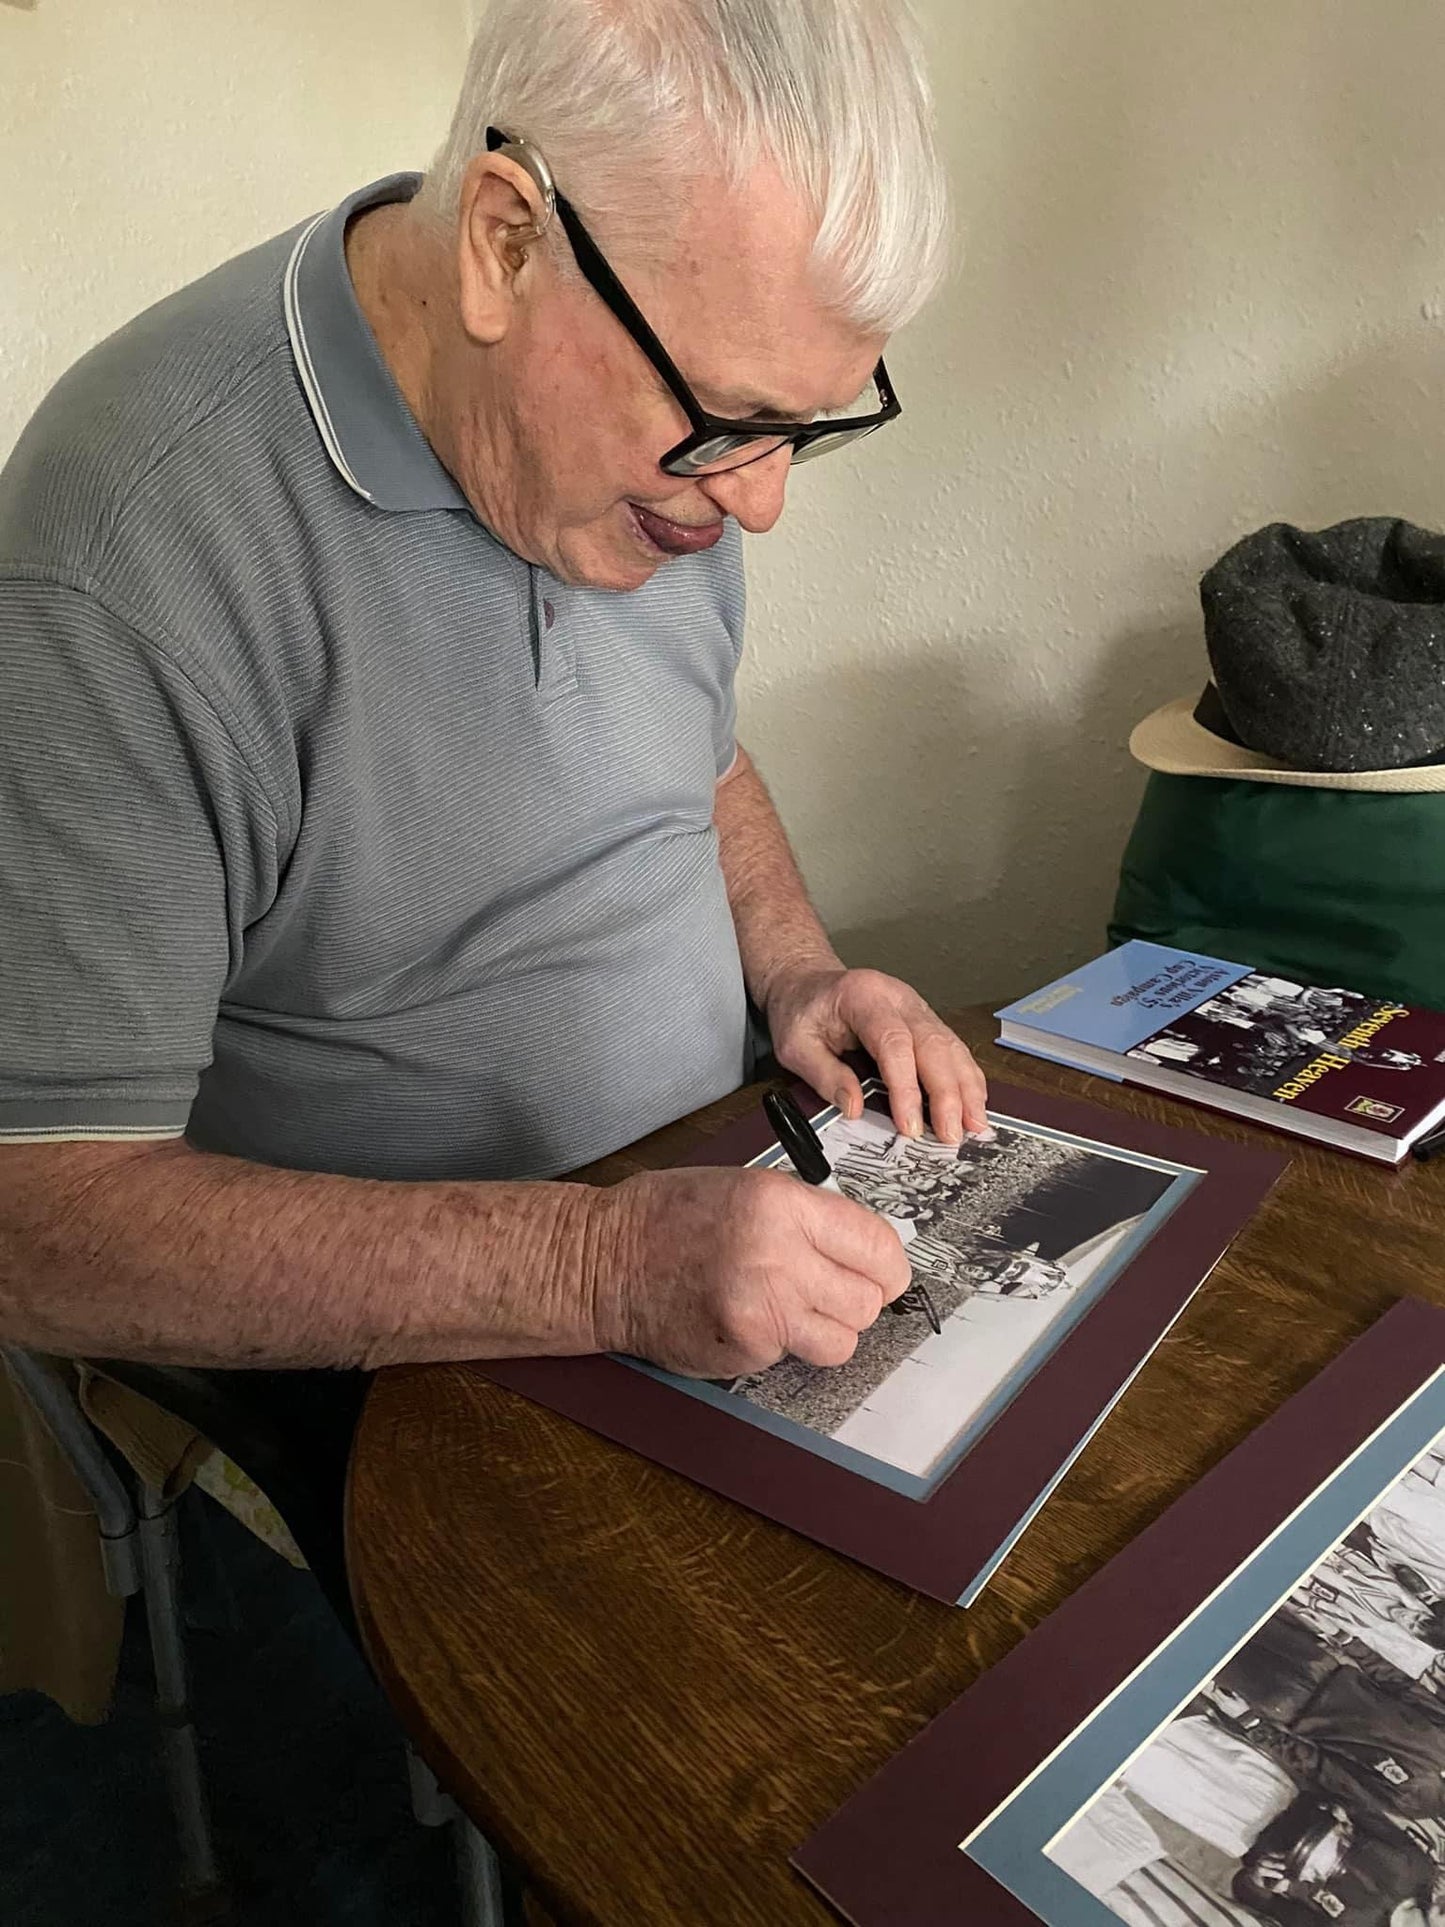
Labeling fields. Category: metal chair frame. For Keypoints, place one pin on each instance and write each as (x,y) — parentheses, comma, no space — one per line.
(140,1549)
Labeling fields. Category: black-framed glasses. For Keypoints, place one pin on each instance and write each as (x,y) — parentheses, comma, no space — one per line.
(716,443)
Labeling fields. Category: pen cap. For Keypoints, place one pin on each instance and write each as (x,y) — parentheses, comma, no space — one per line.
(797,1137)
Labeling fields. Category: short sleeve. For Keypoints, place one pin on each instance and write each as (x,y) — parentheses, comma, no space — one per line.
(135,844)
(733,604)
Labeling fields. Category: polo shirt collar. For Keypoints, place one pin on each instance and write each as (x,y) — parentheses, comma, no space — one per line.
(361,415)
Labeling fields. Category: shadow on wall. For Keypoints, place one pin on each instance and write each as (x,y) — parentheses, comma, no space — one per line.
(1202,290)
(1379,416)
(1003,806)
(986,797)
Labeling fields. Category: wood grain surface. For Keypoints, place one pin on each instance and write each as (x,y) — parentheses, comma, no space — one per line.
(650,1696)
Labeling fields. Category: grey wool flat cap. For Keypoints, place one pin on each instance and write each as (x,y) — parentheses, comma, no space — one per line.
(1327,653)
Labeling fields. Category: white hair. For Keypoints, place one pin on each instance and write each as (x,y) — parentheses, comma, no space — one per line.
(632,100)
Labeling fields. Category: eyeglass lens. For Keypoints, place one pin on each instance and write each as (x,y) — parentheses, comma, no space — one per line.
(724,452)
(827,444)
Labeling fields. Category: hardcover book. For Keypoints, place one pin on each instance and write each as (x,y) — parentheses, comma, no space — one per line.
(1240,1720)
(1363,1074)
(1047,1265)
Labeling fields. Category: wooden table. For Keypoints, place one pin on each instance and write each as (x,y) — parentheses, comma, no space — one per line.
(649,1696)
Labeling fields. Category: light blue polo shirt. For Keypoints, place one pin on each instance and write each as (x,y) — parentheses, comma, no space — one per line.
(332,833)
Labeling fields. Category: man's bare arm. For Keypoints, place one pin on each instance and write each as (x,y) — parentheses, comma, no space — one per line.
(165,1254)
(817,1009)
(778,928)
(162,1253)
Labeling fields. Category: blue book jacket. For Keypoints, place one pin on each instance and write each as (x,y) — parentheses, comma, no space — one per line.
(1117,1001)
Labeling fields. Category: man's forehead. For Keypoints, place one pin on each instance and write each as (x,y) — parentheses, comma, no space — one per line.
(744,314)
(763,358)
(760,400)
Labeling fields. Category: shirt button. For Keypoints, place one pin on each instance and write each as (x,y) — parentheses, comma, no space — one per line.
(550,613)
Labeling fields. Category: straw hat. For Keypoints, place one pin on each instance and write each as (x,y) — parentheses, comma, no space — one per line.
(1328,660)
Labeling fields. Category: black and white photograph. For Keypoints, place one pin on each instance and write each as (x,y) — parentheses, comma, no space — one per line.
(1305,1781)
(1262,1030)
(1009,1240)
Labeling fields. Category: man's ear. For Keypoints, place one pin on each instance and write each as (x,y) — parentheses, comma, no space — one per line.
(501,216)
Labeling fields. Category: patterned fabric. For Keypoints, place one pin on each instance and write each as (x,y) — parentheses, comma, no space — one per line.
(1409,1524)
(1348,1594)
(1106,1844)
(1204,1778)
(332,832)
(244,1500)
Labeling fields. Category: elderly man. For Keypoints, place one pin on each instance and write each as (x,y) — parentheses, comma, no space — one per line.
(374,845)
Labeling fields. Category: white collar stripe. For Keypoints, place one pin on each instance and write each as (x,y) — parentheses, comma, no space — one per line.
(305,368)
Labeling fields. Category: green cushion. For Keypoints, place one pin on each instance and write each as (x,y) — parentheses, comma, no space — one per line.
(1326,886)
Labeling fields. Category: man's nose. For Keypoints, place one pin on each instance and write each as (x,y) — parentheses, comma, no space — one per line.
(753,493)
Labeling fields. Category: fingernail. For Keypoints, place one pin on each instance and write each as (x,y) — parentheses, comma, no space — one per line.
(912,1124)
(841,1101)
(986,1134)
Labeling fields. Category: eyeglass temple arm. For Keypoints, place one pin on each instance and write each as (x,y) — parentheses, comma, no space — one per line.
(599,273)
(594,266)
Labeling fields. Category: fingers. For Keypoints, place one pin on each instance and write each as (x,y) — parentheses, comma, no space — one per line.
(853,1240)
(883,1014)
(817,1315)
(811,1058)
(893,1052)
(848,1093)
(831,1308)
(957,1092)
(823,1341)
(975,1096)
(848,1298)
(843,1306)
(917,1053)
(801,1270)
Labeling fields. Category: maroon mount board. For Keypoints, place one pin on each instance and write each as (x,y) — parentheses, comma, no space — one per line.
(1144,1211)
(1099,1229)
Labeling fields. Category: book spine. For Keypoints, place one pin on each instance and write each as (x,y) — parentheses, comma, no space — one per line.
(1048,1057)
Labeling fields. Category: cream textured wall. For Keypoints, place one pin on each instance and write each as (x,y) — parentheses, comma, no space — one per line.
(143,141)
(1202,288)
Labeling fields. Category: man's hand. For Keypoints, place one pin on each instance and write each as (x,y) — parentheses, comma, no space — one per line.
(718,1272)
(816,1014)
(1233,1706)
(1270,1873)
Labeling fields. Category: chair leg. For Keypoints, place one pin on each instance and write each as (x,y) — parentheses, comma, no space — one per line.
(486,1901)
(479,1875)
(160,1560)
(110,1499)
(140,1551)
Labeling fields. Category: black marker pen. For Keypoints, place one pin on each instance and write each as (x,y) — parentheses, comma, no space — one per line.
(808,1158)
